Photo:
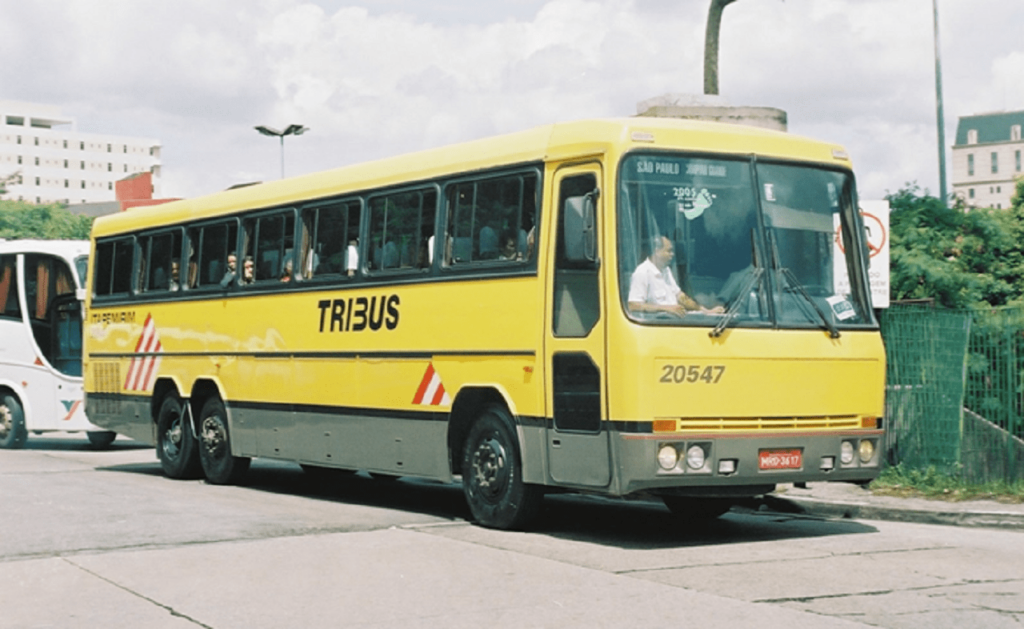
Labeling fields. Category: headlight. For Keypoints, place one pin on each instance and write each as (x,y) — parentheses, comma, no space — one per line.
(695,457)
(846,453)
(668,457)
(866,451)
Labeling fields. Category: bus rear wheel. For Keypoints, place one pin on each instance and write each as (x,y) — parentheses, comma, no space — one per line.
(220,467)
(492,475)
(175,444)
(12,423)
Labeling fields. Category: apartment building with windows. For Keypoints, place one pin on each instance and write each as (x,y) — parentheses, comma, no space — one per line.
(987,158)
(57,163)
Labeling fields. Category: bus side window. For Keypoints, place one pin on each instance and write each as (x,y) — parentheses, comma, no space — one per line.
(401,226)
(114,267)
(491,219)
(9,304)
(328,232)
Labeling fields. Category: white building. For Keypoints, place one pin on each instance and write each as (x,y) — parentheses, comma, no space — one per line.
(987,158)
(59,164)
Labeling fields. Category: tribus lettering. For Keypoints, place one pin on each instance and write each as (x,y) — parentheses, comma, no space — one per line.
(357,313)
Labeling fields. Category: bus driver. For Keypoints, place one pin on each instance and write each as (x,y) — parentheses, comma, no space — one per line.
(653,289)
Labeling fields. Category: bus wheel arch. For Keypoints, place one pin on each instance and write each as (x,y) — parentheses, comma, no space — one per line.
(465,410)
(492,473)
(13,433)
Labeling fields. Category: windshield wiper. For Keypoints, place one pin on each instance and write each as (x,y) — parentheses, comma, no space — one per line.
(741,298)
(833,331)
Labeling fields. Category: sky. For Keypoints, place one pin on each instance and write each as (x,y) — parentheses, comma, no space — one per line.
(374,78)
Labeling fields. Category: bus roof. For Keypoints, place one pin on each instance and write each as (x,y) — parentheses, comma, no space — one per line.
(67,249)
(551,142)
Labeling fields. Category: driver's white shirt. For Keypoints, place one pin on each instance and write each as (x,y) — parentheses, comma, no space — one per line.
(648,285)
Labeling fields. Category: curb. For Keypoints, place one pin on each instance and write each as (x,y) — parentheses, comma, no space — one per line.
(860,510)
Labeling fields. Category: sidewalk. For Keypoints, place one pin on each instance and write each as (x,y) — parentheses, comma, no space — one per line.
(843,500)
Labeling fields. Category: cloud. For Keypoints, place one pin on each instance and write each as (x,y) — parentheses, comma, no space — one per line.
(380,77)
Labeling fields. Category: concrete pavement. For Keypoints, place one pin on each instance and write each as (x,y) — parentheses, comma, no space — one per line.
(844,500)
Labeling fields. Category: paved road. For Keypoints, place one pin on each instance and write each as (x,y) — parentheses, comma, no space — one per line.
(101,539)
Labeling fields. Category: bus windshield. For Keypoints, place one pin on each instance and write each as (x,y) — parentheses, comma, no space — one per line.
(700,243)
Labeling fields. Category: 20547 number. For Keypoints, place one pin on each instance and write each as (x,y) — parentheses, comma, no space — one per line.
(678,374)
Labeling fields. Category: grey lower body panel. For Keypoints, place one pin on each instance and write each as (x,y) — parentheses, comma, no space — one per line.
(638,469)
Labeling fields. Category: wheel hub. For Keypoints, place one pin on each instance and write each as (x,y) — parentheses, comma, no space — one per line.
(489,467)
(213,436)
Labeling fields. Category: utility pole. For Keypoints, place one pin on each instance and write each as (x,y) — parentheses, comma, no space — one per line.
(938,106)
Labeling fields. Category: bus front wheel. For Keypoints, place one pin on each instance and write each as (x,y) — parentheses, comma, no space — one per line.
(492,475)
(12,422)
(220,467)
(175,443)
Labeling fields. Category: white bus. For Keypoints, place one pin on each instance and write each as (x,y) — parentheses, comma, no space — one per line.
(41,289)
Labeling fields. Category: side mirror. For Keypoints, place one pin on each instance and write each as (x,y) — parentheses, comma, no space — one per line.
(578,228)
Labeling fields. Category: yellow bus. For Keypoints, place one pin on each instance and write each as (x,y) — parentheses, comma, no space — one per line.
(627,307)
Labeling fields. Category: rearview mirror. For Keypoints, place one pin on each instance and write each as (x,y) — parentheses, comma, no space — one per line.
(578,228)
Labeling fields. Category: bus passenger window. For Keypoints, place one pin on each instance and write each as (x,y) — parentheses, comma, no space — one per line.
(491,219)
(328,233)
(401,226)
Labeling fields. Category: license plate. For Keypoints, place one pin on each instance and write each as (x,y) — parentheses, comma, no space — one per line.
(780,459)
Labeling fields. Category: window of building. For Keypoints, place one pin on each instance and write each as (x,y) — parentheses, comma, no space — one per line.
(83,185)
(67,184)
(83,165)
(110,148)
(1017,160)
(110,167)
(65,163)
(81,146)
(19,139)
(37,181)
(1015,133)
(995,162)
(36,140)
(65,143)
(972,136)
(970,164)
(37,161)
(970,193)
(19,159)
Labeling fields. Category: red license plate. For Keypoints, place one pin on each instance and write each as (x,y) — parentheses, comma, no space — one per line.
(780,459)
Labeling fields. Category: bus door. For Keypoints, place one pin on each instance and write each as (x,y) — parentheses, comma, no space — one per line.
(577,438)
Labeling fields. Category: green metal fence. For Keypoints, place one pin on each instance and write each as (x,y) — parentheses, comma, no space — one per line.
(955,390)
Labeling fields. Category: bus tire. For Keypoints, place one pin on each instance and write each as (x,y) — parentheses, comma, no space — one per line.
(175,443)
(12,423)
(219,466)
(492,474)
(697,509)
(101,439)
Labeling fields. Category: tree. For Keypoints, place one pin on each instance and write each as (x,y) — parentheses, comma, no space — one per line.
(48,222)
(958,257)
(12,179)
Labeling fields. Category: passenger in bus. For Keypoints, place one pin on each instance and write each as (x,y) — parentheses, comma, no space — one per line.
(175,273)
(652,288)
(286,274)
(509,246)
(248,271)
(231,272)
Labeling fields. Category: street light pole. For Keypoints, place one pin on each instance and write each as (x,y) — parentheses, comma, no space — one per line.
(292,129)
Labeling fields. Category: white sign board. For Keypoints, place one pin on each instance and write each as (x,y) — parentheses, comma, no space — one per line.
(875,215)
